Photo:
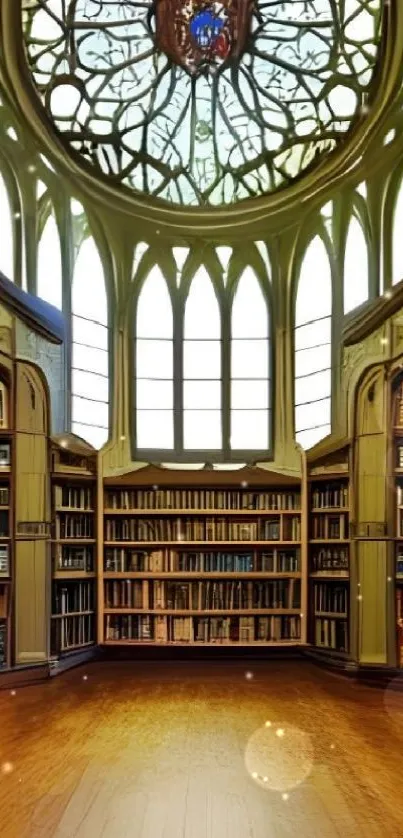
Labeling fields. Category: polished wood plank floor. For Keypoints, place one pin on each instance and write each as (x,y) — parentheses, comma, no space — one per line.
(201,750)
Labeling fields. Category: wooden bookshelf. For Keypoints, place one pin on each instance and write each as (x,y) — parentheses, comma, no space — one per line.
(74,530)
(6,519)
(201,562)
(329,549)
(397,515)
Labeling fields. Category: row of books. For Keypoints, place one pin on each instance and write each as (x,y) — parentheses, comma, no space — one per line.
(3,643)
(74,525)
(331,598)
(67,557)
(222,596)
(4,495)
(329,526)
(4,523)
(209,529)
(200,499)
(129,627)
(399,564)
(330,558)
(128,594)
(399,456)
(4,560)
(333,634)
(123,560)
(330,494)
(78,497)
(202,596)
(5,455)
(73,597)
(70,632)
(168,629)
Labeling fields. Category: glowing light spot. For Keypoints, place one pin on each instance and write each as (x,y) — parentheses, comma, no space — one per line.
(332,747)
(244,484)
(279,762)
(7,768)
(248,676)
(13,692)
(85,677)
(285,796)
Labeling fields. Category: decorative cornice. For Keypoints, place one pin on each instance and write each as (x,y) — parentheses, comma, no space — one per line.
(373,315)
(41,317)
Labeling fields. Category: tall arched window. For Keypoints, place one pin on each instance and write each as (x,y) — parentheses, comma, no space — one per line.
(355,267)
(6,234)
(249,366)
(397,241)
(202,367)
(90,391)
(313,346)
(49,269)
(154,365)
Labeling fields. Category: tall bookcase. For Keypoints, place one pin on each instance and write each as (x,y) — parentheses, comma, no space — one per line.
(329,498)
(74,541)
(397,465)
(202,558)
(6,521)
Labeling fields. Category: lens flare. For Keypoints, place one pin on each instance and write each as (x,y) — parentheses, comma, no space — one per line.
(279,757)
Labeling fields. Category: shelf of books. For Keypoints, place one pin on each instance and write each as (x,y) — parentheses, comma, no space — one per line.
(329,552)
(74,517)
(208,565)
(397,412)
(6,524)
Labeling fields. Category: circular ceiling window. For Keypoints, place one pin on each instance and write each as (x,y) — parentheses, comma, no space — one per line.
(203,102)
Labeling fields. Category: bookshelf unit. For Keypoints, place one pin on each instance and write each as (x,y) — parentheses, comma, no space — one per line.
(74,542)
(397,466)
(207,558)
(329,551)
(6,523)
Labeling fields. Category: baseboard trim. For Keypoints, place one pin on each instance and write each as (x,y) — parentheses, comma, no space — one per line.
(174,653)
(28,674)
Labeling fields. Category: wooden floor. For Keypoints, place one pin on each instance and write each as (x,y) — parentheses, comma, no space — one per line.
(201,750)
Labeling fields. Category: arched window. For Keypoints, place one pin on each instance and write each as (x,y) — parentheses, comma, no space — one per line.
(6,234)
(90,390)
(355,267)
(49,270)
(249,366)
(202,367)
(397,241)
(154,365)
(313,346)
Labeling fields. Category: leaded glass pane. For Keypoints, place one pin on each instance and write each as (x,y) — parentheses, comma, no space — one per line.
(202,103)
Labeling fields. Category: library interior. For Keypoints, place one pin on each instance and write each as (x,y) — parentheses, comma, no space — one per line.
(201,418)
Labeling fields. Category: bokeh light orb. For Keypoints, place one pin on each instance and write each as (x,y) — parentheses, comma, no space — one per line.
(279,756)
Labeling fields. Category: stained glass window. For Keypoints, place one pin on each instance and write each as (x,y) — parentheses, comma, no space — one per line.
(49,269)
(313,349)
(90,370)
(355,267)
(6,234)
(201,102)
(154,365)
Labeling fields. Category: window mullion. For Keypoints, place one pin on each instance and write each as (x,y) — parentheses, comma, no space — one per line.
(178,350)
(226,378)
